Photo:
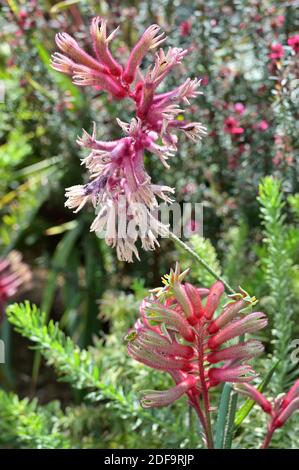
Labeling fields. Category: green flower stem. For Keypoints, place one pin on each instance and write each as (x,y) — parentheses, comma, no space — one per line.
(201,261)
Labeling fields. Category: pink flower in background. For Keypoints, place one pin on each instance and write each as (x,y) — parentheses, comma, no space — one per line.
(293,41)
(232,126)
(277,51)
(178,333)
(204,80)
(14,274)
(261,125)
(239,108)
(117,168)
(189,188)
(278,22)
(185,28)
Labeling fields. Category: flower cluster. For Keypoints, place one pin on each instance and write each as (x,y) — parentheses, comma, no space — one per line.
(280,410)
(13,274)
(178,333)
(117,168)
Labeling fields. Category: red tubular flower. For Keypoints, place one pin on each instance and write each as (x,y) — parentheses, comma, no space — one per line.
(281,410)
(241,351)
(291,395)
(228,314)
(157,399)
(149,40)
(286,413)
(216,292)
(249,324)
(172,334)
(251,392)
(240,374)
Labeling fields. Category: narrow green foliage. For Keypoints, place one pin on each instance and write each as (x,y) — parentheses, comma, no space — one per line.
(277,265)
(27,425)
(74,365)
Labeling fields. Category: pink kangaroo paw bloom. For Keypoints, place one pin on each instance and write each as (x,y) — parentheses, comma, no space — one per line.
(249,324)
(251,392)
(100,40)
(155,360)
(149,40)
(237,352)
(286,413)
(90,141)
(243,373)
(291,395)
(158,313)
(215,293)
(229,313)
(62,63)
(195,300)
(157,399)
(84,76)
(71,48)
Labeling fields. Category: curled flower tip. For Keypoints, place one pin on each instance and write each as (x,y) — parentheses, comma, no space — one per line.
(291,395)
(149,40)
(71,48)
(195,299)
(61,63)
(157,399)
(187,90)
(84,76)
(242,373)
(155,360)
(77,196)
(229,313)
(153,341)
(237,352)
(286,413)
(183,299)
(249,391)
(249,324)
(98,31)
(88,140)
(215,293)
(158,313)
(194,130)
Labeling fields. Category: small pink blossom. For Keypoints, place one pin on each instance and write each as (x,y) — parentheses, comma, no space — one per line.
(293,41)
(261,125)
(277,51)
(239,108)
(278,22)
(185,28)
(232,126)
